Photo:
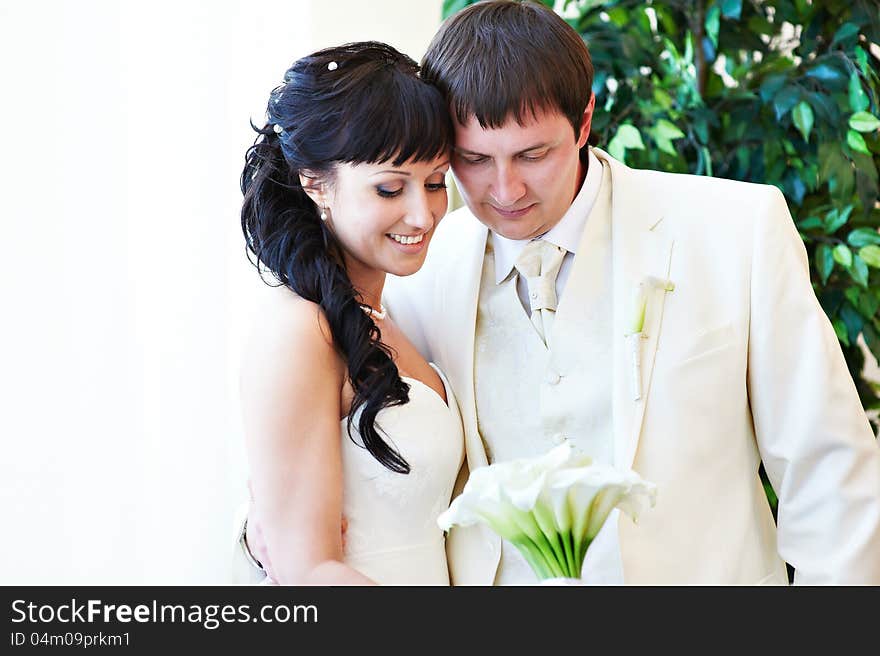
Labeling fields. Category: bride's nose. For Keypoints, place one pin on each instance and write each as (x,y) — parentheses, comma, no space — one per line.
(419,213)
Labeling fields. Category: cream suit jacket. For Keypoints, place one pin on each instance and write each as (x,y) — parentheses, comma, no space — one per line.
(740,365)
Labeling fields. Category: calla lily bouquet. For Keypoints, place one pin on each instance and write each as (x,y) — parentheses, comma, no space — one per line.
(550,508)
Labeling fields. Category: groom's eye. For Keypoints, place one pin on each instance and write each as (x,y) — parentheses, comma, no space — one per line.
(473,159)
(534,156)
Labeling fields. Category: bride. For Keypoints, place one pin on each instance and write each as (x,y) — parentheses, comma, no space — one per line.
(343,417)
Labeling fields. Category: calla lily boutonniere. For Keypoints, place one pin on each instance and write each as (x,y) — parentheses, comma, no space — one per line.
(636,326)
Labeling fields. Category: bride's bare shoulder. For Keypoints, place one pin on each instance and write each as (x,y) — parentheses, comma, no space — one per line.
(285,328)
(283,314)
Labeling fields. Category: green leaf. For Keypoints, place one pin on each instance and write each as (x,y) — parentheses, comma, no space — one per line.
(824,262)
(713,24)
(868,304)
(852,320)
(858,99)
(871,255)
(857,142)
(864,300)
(832,162)
(864,122)
(862,58)
(617,150)
(859,271)
(810,223)
(731,9)
(840,330)
(665,145)
(668,130)
(872,340)
(707,159)
(663,99)
(846,31)
(803,119)
(852,295)
(842,255)
(701,127)
(826,73)
(836,219)
(771,86)
(863,237)
(786,99)
(453,6)
(630,137)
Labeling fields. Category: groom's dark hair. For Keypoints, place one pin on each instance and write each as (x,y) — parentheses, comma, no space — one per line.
(502,58)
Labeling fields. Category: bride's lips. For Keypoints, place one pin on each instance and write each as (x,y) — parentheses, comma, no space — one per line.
(512,214)
(409,248)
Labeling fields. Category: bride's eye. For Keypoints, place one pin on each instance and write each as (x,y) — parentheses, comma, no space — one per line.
(388,193)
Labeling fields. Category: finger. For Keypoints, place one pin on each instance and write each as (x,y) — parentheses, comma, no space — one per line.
(267,565)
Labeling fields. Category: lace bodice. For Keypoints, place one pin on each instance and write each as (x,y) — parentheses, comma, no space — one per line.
(392,534)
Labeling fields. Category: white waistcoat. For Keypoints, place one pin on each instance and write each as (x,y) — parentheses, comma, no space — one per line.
(531,398)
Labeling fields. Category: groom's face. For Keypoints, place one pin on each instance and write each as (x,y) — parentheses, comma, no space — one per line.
(519,180)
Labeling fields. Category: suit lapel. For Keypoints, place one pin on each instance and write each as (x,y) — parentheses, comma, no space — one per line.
(457,314)
(641,249)
(473,551)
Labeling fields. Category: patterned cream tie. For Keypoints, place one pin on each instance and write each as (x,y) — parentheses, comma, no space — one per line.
(539,263)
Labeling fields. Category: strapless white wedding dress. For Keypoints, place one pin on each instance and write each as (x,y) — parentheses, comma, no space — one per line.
(392,535)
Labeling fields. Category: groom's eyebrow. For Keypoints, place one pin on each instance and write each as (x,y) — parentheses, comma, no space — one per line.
(545,144)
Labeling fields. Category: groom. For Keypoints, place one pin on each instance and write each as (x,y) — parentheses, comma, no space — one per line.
(525,301)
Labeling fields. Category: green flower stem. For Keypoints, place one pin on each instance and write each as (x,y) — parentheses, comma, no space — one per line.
(534,557)
(582,549)
(526,523)
(568,547)
(547,525)
(580,544)
(550,556)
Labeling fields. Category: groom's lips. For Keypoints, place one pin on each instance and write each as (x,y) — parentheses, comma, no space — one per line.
(512,214)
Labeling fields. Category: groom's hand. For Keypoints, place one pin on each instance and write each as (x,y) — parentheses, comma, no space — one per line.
(256,542)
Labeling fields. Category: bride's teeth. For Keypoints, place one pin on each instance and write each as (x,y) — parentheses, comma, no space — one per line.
(402,239)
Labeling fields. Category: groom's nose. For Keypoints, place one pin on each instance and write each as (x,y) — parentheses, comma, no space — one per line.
(507,187)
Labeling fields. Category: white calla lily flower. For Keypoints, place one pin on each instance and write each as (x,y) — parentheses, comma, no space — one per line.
(551,507)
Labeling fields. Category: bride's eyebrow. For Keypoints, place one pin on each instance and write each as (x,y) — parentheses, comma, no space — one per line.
(397,171)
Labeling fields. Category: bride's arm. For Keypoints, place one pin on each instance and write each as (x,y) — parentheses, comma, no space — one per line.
(290,389)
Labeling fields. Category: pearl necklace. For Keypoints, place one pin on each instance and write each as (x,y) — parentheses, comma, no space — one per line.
(379,314)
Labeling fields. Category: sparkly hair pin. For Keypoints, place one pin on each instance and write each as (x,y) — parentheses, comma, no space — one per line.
(278,129)
(332,66)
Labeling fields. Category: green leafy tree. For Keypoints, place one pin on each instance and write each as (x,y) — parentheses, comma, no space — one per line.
(783,92)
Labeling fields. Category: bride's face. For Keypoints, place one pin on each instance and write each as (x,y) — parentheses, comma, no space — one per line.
(385,215)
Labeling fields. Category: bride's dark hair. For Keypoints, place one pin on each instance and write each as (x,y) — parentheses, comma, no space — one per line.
(357,103)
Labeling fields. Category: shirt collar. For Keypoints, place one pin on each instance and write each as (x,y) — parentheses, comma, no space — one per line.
(566,234)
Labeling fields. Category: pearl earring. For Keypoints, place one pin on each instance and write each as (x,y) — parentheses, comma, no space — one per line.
(323,205)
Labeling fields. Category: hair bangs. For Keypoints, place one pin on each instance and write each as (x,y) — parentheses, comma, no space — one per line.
(410,122)
(495,99)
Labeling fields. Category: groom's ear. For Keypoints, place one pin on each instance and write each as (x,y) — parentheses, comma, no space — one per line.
(586,122)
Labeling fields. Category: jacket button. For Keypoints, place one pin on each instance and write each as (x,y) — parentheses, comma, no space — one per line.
(553,378)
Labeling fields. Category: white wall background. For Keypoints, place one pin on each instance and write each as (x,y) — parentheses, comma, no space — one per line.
(124,286)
